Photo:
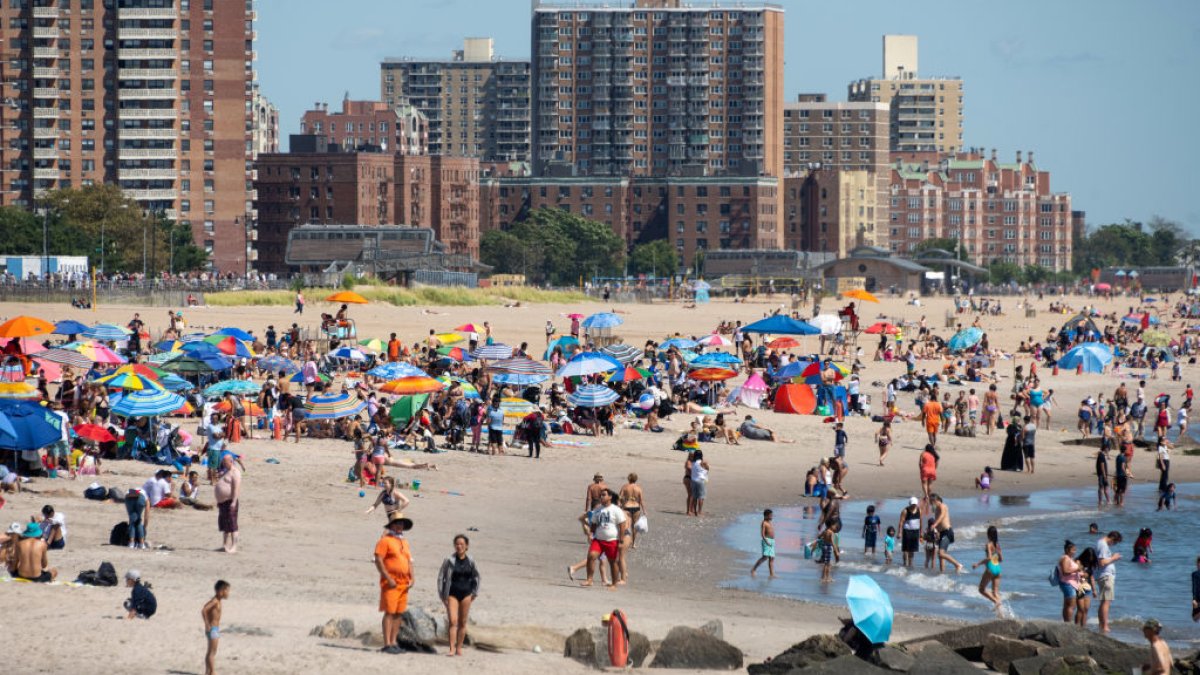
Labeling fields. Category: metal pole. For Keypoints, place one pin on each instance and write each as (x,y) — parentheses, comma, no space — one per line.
(143,247)
(103,228)
(46,247)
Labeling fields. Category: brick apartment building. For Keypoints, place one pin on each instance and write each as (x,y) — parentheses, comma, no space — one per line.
(832,210)
(1000,211)
(477,104)
(369,124)
(440,193)
(152,95)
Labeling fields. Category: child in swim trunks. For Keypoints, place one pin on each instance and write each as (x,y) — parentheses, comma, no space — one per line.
(889,544)
(870,530)
(827,544)
(212,623)
(767,531)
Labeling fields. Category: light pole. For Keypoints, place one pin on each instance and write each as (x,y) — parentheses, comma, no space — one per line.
(144,225)
(46,246)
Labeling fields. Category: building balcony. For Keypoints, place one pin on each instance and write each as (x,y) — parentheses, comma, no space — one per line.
(147,153)
(161,134)
(45,113)
(43,73)
(146,13)
(148,94)
(49,152)
(160,194)
(148,113)
(146,74)
(45,173)
(126,53)
(45,32)
(147,174)
(45,92)
(45,52)
(45,132)
(124,33)
(45,12)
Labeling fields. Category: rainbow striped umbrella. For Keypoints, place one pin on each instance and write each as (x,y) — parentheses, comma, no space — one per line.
(95,352)
(127,380)
(333,406)
(147,403)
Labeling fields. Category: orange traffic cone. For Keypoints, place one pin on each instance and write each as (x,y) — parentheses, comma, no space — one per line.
(276,428)
(235,431)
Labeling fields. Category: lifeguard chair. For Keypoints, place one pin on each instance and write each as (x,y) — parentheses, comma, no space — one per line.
(342,330)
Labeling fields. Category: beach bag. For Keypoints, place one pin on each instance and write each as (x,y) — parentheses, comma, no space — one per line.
(119,535)
(97,492)
(105,576)
(642,526)
(1055,579)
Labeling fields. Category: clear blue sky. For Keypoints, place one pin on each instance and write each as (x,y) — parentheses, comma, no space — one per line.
(1106,92)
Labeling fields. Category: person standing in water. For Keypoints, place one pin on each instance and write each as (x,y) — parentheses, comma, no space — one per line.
(945,534)
(910,528)
(991,568)
(767,533)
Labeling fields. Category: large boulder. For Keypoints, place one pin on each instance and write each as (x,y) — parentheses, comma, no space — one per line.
(999,651)
(843,665)
(334,629)
(1188,665)
(691,648)
(1073,665)
(968,641)
(418,626)
(1112,654)
(589,646)
(816,649)
(935,658)
(893,658)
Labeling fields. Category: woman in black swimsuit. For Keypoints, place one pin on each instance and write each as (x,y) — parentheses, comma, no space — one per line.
(458,584)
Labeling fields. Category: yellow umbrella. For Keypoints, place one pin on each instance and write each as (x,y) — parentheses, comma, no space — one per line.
(1156,338)
(860,294)
(374,344)
(18,390)
(347,296)
(448,338)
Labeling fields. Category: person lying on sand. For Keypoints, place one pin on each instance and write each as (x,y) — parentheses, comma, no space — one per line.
(431,312)
(407,464)
(752,430)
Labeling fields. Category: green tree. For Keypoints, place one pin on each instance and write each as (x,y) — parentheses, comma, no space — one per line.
(554,246)
(504,252)
(1003,272)
(657,258)
(1035,274)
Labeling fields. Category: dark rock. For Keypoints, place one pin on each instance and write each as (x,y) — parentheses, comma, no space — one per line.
(843,665)
(894,658)
(816,649)
(1188,665)
(589,646)
(999,651)
(968,641)
(1112,654)
(1033,665)
(714,628)
(418,627)
(334,628)
(690,648)
(639,649)
(1073,665)
(935,658)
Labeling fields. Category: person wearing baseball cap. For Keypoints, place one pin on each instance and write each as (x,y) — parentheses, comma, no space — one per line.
(393,560)
(141,603)
(1160,653)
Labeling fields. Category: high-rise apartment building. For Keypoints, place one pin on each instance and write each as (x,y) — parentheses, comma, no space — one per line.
(477,104)
(926,113)
(402,129)
(266,124)
(153,95)
(658,88)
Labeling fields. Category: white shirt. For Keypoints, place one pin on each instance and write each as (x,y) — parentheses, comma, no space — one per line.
(156,489)
(1163,453)
(1182,417)
(59,520)
(699,473)
(605,521)
(1102,552)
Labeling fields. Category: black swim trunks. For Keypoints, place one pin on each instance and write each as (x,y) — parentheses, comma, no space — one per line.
(44,578)
(945,538)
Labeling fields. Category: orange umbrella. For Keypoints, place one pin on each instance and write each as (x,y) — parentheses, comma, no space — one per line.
(859,294)
(347,296)
(25,326)
(712,374)
(783,343)
(413,385)
(882,327)
(252,409)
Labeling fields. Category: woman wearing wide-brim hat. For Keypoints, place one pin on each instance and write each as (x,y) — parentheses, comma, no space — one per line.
(393,559)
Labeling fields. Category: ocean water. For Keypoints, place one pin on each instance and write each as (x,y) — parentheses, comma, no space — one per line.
(1032,529)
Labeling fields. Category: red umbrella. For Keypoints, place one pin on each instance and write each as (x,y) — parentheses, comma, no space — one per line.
(783,343)
(814,369)
(94,432)
(576,315)
(712,374)
(882,327)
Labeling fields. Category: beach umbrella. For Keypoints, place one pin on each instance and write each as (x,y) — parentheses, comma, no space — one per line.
(147,403)
(471,328)
(711,374)
(321,377)
(589,363)
(783,343)
(812,372)
(623,352)
(714,340)
(172,382)
(203,348)
(592,396)
(1136,320)
(374,344)
(516,407)
(252,409)
(1091,356)
(142,370)
(519,379)
(95,352)
(64,357)
(188,363)
(1156,338)
(678,343)
(781,325)
(520,366)
(28,346)
(239,387)
(228,345)
(69,327)
(755,383)
(882,327)
(406,407)
(395,370)
(468,389)
(349,297)
(965,339)
(629,374)
(160,358)
(828,324)
(238,333)
(106,332)
(127,380)
(454,353)
(602,320)
(413,385)
(860,294)
(275,363)
(1106,287)
(348,354)
(792,370)
(870,608)
(25,326)
(333,406)
(449,338)
(493,352)
(26,425)
(567,343)
(21,391)
(94,433)
(575,315)
(715,358)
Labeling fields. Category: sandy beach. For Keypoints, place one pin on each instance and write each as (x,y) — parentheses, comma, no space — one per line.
(305,555)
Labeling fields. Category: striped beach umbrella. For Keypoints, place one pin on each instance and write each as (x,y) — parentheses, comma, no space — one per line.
(172,382)
(22,391)
(275,363)
(147,403)
(413,385)
(493,352)
(96,352)
(238,387)
(592,396)
(516,407)
(106,332)
(374,344)
(589,363)
(128,381)
(678,343)
(714,340)
(395,370)
(623,352)
(519,379)
(348,354)
(333,406)
(520,366)
(468,389)
(228,345)
(715,359)
(64,357)
(712,374)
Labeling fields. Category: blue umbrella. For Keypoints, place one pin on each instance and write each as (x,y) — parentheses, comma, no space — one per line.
(69,327)
(715,359)
(348,354)
(568,344)
(236,332)
(592,396)
(232,386)
(105,332)
(493,352)
(275,363)
(333,406)
(1093,356)
(965,339)
(519,379)
(623,352)
(589,363)
(27,425)
(147,403)
(602,320)
(201,349)
(172,382)
(781,325)
(791,370)
(678,343)
(870,607)
(396,370)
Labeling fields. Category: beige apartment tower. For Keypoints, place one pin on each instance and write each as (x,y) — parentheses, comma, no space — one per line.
(156,96)
(477,103)
(926,113)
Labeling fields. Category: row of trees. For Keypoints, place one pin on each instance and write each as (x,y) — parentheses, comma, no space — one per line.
(100,222)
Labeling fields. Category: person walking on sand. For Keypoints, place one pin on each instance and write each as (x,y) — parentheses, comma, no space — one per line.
(883,438)
(945,533)
(458,586)
(211,613)
(299,303)
(1106,575)
(1161,662)
(393,561)
(927,466)
(606,526)
(991,568)
(228,493)
(1028,436)
(633,501)
(931,414)
(766,531)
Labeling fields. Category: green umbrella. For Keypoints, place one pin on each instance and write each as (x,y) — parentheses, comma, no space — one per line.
(187,364)
(406,407)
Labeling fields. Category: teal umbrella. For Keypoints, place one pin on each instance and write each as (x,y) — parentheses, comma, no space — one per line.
(870,607)
(239,387)
(965,339)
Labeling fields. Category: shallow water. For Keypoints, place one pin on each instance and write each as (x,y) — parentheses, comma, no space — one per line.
(1032,529)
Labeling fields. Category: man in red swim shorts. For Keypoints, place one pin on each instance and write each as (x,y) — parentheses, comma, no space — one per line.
(605,525)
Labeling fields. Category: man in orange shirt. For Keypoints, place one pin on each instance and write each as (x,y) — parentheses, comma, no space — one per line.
(393,349)
(394,562)
(932,414)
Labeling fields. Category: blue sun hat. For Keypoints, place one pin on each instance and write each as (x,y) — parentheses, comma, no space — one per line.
(32,531)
